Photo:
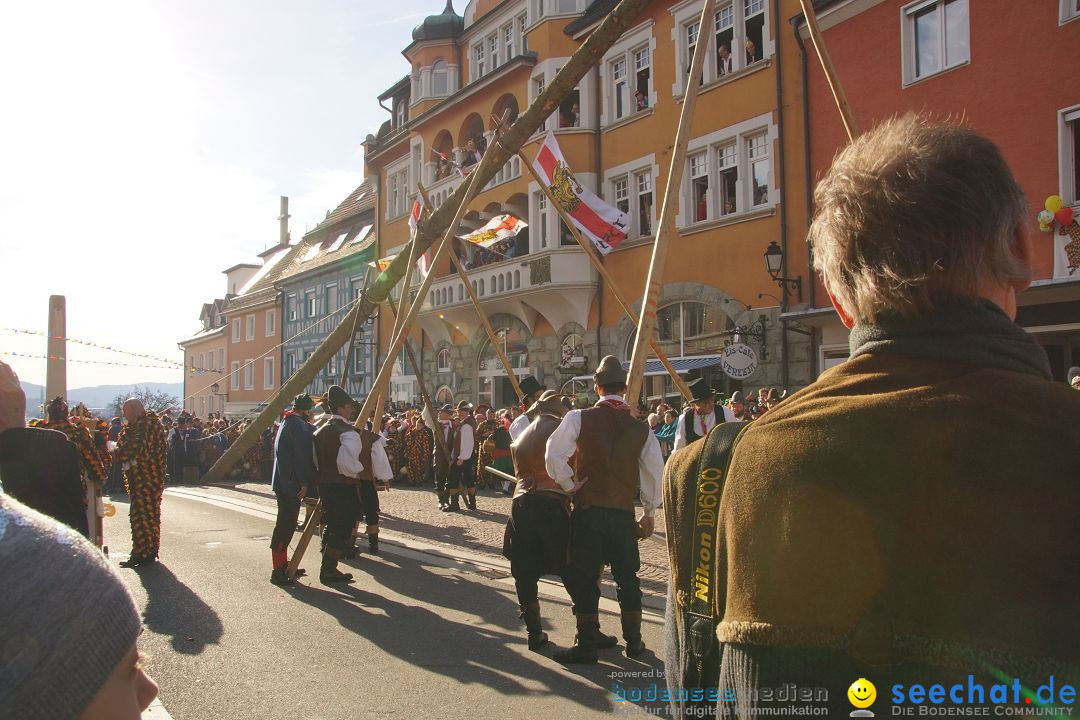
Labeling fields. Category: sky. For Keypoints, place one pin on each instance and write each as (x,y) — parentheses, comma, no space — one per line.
(144,145)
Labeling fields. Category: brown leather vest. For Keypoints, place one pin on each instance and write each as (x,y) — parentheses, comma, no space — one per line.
(609,446)
(327,444)
(451,442)
(528,453)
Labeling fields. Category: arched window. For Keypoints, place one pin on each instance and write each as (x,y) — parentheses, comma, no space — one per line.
(481,291)
(580,390)
(502,284)
(442,361)
(517,279)
(573,350)
(460,293)
(689,330)
(440,79)
(444,396)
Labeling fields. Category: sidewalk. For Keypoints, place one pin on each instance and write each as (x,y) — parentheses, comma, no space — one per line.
(414,511)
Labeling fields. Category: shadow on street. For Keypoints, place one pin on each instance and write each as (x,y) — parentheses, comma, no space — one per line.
(173,609)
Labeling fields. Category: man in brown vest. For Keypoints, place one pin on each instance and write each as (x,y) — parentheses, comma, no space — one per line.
(616,457)
(340,453)
(463,470)
(538,530)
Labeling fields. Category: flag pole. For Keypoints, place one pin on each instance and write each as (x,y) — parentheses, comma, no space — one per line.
(664,230)
(680,384)
(483,318)
(846,115)
(472,188)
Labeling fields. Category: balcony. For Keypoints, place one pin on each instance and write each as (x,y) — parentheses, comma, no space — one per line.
(443,188)
(558,285)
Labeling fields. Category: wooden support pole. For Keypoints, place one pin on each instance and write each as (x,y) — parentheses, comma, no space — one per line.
(680,384)
(585,57)
(492,338)
(664,229)
(846,115)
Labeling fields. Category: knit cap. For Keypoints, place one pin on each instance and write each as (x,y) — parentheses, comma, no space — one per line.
(67,617)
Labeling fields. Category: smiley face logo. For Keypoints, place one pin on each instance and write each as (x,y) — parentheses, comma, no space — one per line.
(862,693)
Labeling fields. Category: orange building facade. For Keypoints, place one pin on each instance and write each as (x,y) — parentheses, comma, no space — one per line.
(743,189)
(205,363)
(1007,69)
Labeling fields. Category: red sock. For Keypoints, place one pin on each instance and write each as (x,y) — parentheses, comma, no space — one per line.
(278,558)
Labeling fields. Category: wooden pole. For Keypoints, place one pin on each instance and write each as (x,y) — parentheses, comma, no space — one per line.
(473,186)
(680,384)
(584,59)
(664,230)
(838,94)
(484,320)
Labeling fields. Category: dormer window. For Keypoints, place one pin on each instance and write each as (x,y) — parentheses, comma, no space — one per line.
(401,113)
(440,78)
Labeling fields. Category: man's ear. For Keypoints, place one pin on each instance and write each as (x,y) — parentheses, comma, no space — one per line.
(848,321)
(1023,248)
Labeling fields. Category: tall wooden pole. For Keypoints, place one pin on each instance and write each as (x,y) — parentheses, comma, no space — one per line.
(56,345)
(838,94)
(664,229)
(492,338)
(584,59)
(680,384)
(472,187)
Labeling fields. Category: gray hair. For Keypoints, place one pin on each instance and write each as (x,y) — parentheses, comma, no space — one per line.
(12,399)
(915,211)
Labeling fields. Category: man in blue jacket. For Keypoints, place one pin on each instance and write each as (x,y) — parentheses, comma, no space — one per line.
(294,475)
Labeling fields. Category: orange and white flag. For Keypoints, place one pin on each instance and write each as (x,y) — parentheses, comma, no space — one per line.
(603,224)
(500,227)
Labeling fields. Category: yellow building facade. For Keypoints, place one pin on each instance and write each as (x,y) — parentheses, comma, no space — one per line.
(744,188)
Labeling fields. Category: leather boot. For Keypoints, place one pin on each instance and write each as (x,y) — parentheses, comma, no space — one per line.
(470,501)
(329,572)
(443,501)
(631,632)
(454,504)
(531,614)
(583,651)
(373,543)
(280,577)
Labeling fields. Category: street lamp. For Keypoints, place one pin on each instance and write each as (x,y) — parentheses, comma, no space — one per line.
(214,388)
(774,263)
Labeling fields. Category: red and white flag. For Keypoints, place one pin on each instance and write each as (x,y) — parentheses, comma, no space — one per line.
(414,219)
(603,224)
(500,227)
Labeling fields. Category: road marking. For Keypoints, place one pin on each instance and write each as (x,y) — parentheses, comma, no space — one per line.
(156,711)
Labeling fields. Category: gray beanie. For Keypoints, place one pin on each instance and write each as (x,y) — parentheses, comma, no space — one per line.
(68,618)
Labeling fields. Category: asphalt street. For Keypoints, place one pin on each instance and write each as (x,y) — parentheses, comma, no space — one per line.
(421,633)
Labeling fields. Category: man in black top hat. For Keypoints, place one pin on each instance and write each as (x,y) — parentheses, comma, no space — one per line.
(532,390)
(338,447)
(293,478)
(703,415)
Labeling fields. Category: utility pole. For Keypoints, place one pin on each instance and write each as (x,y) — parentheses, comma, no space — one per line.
(56,363)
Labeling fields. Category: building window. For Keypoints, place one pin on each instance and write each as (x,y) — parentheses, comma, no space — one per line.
(249,333)
(619,89)
(479,63)
(935,37)
(573,350)
(442,361)
(332,367)
(221,359)
(234,374)
(737,41)
(643,180)
(310,303)
(1070,10)
(523,39)
(493,50)
(397,193)
(290,307)
(541,202)
(290,365)
(1070,155)
(331,299)
(715,190)
(633,195)
(210,357)
(440,78)
(236,330)
(271,323)
(508,42)
(268,373)
(401,113)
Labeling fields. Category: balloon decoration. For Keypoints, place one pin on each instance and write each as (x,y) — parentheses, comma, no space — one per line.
(1055,210)
(1064,215)
(1054,203)
(1046,221)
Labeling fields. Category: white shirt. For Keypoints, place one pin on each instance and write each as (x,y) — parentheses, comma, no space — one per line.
(518,426)
(380,464)
(563,444)
(348,455)
(466,442)
(680,429)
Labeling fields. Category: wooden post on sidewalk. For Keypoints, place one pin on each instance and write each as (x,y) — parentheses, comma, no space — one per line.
(664,229)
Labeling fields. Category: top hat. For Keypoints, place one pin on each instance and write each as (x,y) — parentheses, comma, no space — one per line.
(464,405)
(336,397)
(700,389)
(530,386)
(303,402)
(549,402)
(610,372)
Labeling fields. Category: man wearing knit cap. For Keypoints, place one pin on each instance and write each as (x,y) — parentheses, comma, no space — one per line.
(538,530)
(68,652)
(38,467)
(293,477)
(617,457)
(142,451)
(344,457)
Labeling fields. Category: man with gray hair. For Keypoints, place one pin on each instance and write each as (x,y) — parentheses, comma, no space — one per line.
(889,520)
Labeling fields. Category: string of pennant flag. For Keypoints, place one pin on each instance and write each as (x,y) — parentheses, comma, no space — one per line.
(99,346)
(89,362)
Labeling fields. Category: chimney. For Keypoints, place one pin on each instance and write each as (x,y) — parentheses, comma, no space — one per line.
(283,220)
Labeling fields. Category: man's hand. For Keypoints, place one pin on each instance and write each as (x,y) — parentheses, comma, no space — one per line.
(645,527)
(458,462)
(578,484)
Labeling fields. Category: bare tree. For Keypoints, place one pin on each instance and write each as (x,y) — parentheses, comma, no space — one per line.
(157,400)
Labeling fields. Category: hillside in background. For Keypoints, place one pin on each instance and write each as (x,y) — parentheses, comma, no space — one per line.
(97,397)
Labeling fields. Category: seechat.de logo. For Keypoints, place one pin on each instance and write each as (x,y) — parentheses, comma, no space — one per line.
(862,695)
